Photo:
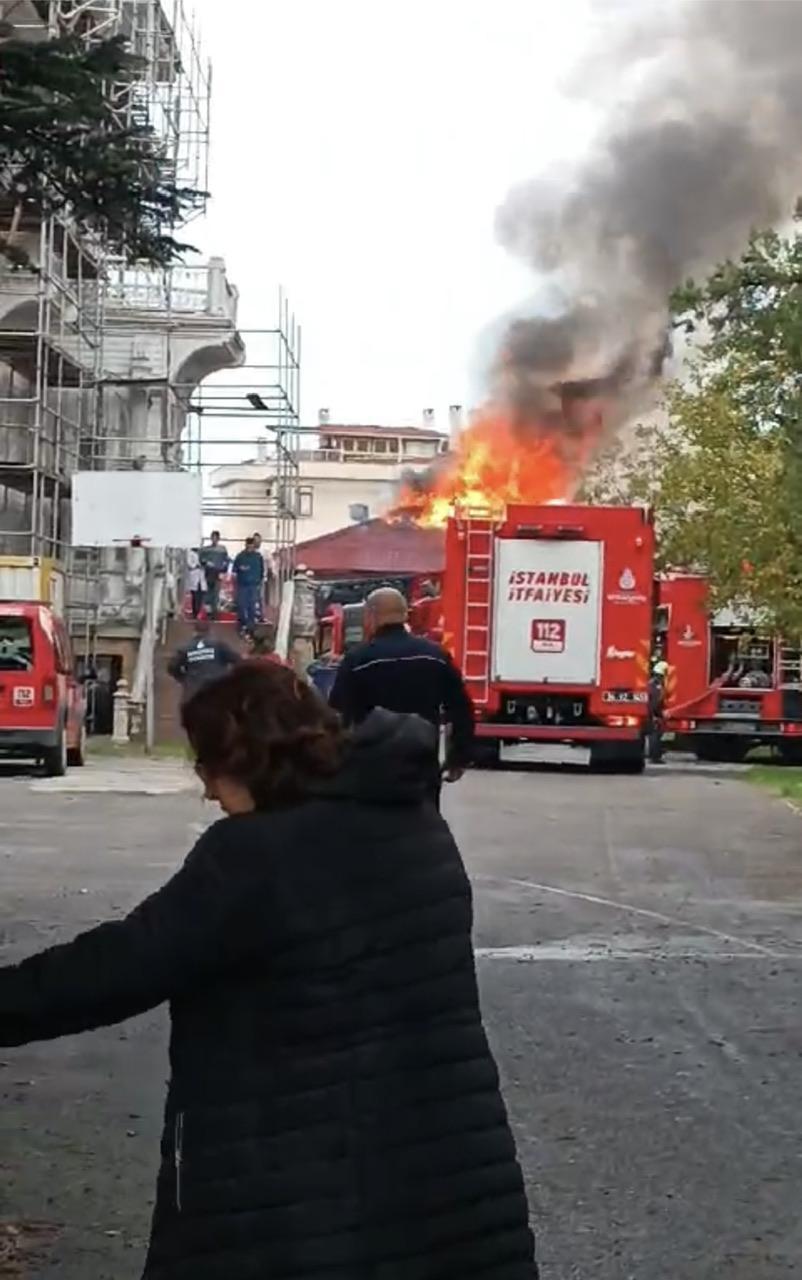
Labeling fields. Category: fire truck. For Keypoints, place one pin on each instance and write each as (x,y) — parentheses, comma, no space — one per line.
(549,614)
(341,610)
(730,687)
(339,629)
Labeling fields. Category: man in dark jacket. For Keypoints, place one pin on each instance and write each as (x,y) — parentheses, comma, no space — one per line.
(405,673)
(249,576)
(202,660)
(214,560)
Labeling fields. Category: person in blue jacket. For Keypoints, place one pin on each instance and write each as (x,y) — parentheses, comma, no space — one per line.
(249,575)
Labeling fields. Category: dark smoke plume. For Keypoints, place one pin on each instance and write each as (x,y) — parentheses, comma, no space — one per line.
(700,142)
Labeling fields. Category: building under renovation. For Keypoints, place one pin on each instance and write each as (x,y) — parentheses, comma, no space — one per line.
(104,365)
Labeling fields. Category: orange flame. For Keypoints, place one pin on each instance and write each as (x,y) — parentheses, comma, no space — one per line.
(490,466)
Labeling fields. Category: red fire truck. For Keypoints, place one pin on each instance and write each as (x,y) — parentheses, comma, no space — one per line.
(730,687)
(549,614)
(339,629)
(341,621)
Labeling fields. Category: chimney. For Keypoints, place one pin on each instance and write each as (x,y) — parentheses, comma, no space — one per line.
(454,422)
(322,417)
(428,419)
(261,450)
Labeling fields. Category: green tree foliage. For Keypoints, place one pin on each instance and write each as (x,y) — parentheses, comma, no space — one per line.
(62,148)
(724,469)
(749,315)
(724,506)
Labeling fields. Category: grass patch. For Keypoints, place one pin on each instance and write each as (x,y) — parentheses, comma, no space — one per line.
(761,755)
(781,780)
(102,748)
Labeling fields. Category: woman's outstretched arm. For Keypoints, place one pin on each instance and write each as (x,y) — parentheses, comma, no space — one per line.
(168,943)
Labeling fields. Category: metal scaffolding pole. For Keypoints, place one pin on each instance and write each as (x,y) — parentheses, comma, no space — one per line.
(107,365)
(57,404)
(253,409)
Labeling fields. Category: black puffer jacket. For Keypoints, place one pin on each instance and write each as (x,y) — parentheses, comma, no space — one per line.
(334,1111)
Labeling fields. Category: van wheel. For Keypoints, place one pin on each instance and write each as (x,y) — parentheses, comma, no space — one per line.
(55,758)
(77,756)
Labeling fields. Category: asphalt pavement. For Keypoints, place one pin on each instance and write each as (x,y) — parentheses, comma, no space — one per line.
(640,956)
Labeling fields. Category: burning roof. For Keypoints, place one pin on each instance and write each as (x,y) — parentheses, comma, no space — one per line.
(492,464)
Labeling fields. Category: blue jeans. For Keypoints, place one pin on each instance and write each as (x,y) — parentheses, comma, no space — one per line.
(249,605)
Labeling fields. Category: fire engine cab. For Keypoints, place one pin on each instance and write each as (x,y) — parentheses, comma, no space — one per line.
(730,687)
(548,612)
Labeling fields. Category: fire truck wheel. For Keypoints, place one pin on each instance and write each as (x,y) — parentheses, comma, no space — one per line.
(618,757)
(635,767)
(486,753)
(722,751)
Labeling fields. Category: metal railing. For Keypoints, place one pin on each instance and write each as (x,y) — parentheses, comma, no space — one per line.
(202,290)
(390,457)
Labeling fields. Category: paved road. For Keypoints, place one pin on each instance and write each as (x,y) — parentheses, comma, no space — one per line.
(640,951)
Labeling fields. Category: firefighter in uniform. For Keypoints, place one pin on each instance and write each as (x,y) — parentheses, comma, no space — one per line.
(657,692)
(200,661)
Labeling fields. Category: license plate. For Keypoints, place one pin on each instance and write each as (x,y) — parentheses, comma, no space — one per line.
(23,696)
(738,726)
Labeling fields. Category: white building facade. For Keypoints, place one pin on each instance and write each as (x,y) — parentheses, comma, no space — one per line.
(351,474)
(99,360)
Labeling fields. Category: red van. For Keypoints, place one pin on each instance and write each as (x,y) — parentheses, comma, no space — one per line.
(42,704)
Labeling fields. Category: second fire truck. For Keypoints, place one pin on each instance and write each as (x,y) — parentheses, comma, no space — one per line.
(730,685)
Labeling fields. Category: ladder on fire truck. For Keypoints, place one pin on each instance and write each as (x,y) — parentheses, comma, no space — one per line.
(478,529)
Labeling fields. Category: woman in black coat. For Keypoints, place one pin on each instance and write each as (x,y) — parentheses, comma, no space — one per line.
(334,1110)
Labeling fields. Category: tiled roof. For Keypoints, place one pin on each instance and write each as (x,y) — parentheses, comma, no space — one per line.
(377,546)
(397,433)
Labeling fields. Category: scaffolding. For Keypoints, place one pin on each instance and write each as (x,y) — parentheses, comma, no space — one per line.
(50,354)
(55,398)
(94,364)
(255,408)
(170,90)
(171,93)
(198,425)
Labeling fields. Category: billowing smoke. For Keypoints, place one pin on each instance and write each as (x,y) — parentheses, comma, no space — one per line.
(700,142)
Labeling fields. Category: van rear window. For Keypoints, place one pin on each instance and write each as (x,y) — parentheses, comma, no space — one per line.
(16,644)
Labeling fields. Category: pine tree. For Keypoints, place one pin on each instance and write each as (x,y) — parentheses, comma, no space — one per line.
(63,149)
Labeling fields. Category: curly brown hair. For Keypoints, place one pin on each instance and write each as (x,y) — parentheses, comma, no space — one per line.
(263,727)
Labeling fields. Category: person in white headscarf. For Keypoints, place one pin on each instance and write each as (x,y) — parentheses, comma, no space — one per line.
(196,581)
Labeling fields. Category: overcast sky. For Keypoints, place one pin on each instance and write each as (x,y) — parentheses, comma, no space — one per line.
(359,151)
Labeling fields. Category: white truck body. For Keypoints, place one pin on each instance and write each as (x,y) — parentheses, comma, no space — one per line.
(547,604)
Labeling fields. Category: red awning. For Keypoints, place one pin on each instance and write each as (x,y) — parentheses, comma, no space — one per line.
(375,547)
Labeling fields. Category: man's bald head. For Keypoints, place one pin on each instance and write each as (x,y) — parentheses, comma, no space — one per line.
(386,607)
